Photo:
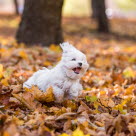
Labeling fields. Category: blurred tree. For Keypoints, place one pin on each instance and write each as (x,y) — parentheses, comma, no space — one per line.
(94,9)
(16,7)
(98,9)
(41,22)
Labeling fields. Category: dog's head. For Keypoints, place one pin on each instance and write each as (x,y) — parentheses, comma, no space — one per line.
(73,61)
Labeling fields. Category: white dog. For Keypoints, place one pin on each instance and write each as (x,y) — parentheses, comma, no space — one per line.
(65,77)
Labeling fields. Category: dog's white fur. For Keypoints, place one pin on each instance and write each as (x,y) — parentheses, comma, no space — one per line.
(62,78)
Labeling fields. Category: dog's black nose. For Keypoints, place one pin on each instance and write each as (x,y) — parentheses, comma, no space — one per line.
(80,64)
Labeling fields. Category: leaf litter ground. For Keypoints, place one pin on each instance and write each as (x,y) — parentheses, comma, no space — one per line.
(107,106)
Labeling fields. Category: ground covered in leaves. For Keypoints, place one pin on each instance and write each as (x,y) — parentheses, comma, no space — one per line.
(107,106)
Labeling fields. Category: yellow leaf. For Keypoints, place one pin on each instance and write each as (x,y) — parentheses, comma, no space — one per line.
(18,121)
(6,133)
(78,132)
(125,101)
(47,63)
(60,111)
(5,52)
(23,55)
(70,104)
(132,59)
(54,47)
(102,92)
(5,81)
(119,107)
(64,134)
(128,72)
(1,70)
(129,90)
(85,123)
(48,95)
(100,62)
(39,95)
(8,73)
(2,50)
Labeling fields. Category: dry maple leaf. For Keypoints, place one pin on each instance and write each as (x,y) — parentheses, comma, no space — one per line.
(39,95)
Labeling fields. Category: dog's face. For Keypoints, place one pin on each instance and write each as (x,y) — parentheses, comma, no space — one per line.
(73,61)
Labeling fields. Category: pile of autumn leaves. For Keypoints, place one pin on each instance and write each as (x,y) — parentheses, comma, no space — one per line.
(107,105)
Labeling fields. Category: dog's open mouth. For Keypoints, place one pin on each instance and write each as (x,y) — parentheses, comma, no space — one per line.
(77,70)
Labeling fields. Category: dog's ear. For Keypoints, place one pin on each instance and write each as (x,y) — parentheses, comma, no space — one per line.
(66,47)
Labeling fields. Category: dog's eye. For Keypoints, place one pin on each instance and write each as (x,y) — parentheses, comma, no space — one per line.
(73,59)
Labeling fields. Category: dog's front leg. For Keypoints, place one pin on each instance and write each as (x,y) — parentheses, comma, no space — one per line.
(59,94)
(75,91)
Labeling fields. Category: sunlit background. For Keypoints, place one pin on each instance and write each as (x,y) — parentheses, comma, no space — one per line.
(115,8)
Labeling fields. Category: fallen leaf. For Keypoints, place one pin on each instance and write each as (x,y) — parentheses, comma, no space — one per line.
(128,73)
(23,54)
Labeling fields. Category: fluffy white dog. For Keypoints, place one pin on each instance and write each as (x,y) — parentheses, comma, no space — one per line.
(65,77)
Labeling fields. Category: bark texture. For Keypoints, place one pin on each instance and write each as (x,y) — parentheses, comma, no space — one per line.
(16,7)
(98,7)
(94,8)
(41,22)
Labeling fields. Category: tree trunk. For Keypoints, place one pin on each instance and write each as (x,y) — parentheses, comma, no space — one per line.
(100,15)
(41,22)
(16,7)
(94,8)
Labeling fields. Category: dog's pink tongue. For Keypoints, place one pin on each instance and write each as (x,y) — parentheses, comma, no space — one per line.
(77,70)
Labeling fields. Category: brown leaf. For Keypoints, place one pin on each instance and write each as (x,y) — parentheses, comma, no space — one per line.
(119,124)
(5,96)
(46,96)
(67,125)
(64,116)
(11,130)
(27,99)
(83,107)
(16,88)
(29,104)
